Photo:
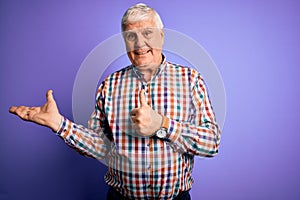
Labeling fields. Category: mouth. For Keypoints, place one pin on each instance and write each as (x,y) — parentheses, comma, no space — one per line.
(142,51)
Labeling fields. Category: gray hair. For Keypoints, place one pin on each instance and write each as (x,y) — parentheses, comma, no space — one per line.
(138,13)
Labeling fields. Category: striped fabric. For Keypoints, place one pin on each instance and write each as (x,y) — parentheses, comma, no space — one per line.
(148,167)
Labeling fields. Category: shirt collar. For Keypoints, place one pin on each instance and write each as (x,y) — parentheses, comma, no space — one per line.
(157,73)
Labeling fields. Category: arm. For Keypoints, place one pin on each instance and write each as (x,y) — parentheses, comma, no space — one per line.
(201,135)
(90,142)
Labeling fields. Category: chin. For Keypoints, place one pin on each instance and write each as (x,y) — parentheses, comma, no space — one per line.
(142,63)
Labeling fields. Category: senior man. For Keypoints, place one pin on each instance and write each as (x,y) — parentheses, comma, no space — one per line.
(150,119)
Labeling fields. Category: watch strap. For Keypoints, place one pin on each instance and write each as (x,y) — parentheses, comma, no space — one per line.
(165,122)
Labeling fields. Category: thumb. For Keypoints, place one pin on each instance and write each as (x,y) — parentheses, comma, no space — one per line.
(143,98)
(49,96)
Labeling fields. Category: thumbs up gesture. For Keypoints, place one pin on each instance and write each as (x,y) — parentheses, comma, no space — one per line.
(145,120)
(46,115)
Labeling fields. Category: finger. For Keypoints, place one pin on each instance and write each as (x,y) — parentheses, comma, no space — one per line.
(135,120)
(12,109)
(134,126)
(143,98)
(132,119)
(22,112)
(49,95)
(135,112)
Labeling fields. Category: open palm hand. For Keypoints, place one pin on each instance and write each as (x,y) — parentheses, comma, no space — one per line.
(46,115)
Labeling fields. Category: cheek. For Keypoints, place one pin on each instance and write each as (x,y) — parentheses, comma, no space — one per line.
(130,55)
(129,46)
(156,52)
(156,43)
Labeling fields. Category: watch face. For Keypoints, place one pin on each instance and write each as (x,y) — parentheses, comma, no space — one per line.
(161,133)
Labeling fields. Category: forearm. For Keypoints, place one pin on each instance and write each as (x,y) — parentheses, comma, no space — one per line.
(87,142)
(202,140)
(199,134)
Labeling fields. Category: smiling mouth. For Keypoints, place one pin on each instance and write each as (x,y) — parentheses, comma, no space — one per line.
(142,52)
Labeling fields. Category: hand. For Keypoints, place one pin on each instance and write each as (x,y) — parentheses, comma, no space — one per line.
(145,120)
(46,115)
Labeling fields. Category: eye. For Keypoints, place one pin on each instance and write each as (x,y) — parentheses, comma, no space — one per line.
(130,36)
(148,33)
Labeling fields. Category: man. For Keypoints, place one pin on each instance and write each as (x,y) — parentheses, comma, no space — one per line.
(150,119)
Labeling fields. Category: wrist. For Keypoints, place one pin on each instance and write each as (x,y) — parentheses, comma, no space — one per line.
(165,122)
(55,124)
(162,131)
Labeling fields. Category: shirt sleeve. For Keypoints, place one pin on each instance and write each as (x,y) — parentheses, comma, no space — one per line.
(92,141)
(201,135)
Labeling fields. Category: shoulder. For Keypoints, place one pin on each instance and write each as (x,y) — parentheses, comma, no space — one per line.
(117,74)
(112,79)
(182,70)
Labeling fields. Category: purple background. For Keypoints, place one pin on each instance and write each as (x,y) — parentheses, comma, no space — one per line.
(255,45)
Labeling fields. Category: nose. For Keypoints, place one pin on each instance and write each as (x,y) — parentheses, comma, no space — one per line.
(139,41)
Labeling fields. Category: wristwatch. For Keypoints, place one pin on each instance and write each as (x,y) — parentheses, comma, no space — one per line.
(162,132)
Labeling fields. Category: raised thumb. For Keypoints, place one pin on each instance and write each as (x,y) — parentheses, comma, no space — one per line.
(143,98)
(49,95)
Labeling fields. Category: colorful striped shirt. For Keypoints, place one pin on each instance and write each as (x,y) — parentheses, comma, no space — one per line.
(148,167)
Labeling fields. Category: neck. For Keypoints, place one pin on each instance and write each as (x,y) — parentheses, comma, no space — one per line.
(149,71)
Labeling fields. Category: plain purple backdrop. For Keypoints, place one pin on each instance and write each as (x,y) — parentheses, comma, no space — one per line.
(255,44)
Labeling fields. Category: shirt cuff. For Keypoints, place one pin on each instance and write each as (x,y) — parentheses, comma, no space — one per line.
(64,127)
(174,131)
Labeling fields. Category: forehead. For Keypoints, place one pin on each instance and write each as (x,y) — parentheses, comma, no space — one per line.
(146,23)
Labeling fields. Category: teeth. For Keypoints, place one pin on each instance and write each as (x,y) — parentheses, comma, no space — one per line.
(141,52)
